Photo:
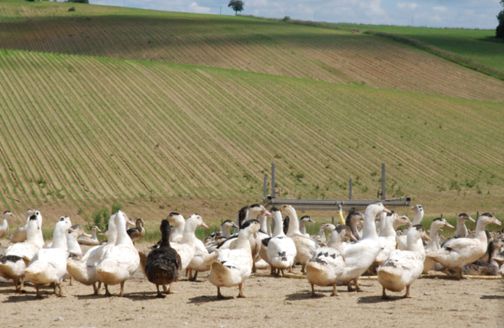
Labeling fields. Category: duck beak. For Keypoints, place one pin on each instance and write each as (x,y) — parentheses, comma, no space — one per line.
(471,219)
(204,225)
(352,237)
(386,210)
(266,213)
(497,221)
(131,223)
(425,236)
(449,225)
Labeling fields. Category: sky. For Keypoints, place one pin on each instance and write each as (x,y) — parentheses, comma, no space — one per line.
(433,13)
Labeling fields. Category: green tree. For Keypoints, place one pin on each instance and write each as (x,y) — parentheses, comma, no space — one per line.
(236,5)
(499,31)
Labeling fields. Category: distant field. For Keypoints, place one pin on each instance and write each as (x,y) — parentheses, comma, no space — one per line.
(162,111)
(243,43)
(473,45)
(82,130)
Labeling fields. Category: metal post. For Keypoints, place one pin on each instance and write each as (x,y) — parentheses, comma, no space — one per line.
(265,186)
(273,180)
(350,188)
(383,182)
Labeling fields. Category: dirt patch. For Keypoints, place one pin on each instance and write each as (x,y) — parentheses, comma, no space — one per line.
(273,302)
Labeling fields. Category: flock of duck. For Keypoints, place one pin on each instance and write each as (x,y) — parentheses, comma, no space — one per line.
(364,243)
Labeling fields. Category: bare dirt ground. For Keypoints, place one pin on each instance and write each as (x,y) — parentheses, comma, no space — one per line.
(270,302)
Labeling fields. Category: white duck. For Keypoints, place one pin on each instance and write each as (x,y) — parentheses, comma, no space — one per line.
(4,227)
(403,267)
(247,213)
(84,270)
(359,256)
(120,261)
(305,246)
(177,221)
(234,264)
(49,265)
(74,249)
(417,219)
(461,230)
(388,234)
(186,248)
(435,242)
(321,238)
(280,249)
(13,264)
(327,265)
(457,252)
(202,259)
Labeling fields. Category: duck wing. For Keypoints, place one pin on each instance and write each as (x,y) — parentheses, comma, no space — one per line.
(459,244)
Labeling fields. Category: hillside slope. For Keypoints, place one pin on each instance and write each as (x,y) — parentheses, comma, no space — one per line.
(249,44)
(85,130)
(108,104)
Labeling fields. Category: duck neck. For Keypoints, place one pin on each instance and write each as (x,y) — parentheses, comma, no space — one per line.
(59,237)
(369,229)
(278,226)
(415,244)
(461,228)
(435,242)
(179,228)
(417,219)
(263,221)
(5,224)
(188,236)
(243,240)
(122,235)
(387,228)
(165,238)
(302,227)
(480,232)
(293,223)
(94,234)
(225,231)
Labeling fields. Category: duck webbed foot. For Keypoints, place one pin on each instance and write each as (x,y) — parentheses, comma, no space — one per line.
(159,294)
(334,291)
(240,293)
(407,295)
(384,294)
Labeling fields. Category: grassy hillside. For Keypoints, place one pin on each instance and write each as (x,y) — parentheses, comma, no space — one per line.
(471,47)
(83,129)
(160,111)
(249,44)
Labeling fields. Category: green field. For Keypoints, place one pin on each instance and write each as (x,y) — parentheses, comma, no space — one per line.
(162,111)
(474,47)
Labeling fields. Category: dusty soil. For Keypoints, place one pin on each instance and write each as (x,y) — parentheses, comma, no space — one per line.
(272,302)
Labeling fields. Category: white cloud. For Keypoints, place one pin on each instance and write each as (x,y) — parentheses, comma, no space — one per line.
(195,8)
(407,5)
